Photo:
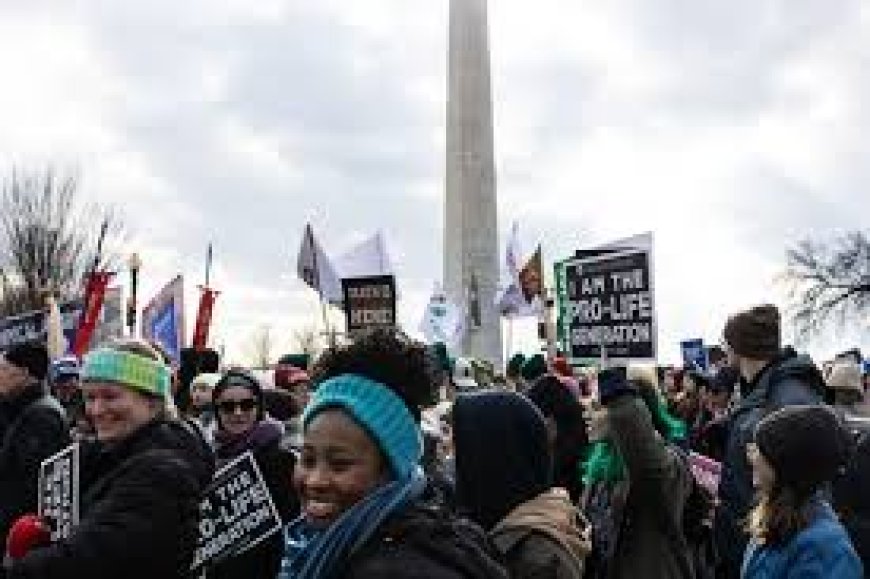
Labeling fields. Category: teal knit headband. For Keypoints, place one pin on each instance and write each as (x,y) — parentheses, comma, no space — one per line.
(137,372)
(380,411)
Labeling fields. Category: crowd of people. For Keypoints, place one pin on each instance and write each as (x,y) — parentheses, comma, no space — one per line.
(386,458)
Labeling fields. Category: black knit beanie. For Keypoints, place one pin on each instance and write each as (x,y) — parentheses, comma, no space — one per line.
(805,445)
(755,333)
(243,379)
(30,357)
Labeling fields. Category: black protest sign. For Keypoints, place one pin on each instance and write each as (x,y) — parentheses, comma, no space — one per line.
(59,491)
(236,512)
(369,302)
(606,301)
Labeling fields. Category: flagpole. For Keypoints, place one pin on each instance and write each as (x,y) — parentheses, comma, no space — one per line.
(510,338)
(323,312)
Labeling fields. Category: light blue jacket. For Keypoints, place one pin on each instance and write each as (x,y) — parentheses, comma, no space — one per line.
(822,550)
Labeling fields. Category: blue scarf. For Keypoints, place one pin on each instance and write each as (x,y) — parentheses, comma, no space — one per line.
(320,554)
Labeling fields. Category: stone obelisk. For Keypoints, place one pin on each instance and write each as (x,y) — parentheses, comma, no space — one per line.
(471,250)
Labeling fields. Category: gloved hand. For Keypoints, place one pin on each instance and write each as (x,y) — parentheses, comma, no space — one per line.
(28,532)
(613,383)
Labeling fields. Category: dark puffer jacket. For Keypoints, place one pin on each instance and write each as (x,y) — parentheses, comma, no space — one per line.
(427,542)
(33,426)
(276,465)
(660,482)
(789,380)
(852,499)
(139,509)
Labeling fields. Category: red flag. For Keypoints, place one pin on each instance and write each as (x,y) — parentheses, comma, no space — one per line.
(95,291)
(203,318)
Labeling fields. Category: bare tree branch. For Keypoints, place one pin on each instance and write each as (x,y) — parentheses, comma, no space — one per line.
(829,282)
(47,239)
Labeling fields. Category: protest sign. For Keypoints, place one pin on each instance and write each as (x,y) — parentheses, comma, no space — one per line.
(606,300)
(706,471)
(59,491)
(31,327)
(694,355)
(236,512)
(369,302)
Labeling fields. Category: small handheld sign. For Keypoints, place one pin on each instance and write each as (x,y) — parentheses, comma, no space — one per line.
(236,512)
(369,302)
(59,491)
(694,355)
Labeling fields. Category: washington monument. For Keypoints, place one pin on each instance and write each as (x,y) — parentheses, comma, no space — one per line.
(471,269)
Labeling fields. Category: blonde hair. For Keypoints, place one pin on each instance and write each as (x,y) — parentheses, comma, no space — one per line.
(779,516)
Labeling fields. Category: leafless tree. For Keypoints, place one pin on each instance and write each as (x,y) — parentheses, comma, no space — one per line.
(48,240)
(260,347)
(829,282)
(307,341)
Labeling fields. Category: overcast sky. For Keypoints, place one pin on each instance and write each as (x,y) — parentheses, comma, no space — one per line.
(729,129)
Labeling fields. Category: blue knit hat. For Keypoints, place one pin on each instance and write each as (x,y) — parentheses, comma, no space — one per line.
(377,409)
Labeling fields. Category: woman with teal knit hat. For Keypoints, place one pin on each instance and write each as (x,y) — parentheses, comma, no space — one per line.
(141,480)
(637,483)
(366,506)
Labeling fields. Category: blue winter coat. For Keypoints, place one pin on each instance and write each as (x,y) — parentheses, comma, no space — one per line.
(790,380)
(820,551)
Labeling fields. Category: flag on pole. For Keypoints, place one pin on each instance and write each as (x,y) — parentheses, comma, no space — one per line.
(56,342)
(443,322)
(531,279)
(206,307)
(95,291)
(316,270)
(163,319)
(203,318)
(521,289)
(367,259)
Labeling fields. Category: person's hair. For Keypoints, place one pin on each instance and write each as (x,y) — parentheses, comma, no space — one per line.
(165,407)
(605,463)
(779,516)
(716,354)
(405,366)
(138,347)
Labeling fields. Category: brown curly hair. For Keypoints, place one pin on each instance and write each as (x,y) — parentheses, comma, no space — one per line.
(403,365)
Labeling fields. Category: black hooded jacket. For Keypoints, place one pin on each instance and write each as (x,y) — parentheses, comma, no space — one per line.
(426,541)
(139,509)
(555,401)
(33,426)
(503,458)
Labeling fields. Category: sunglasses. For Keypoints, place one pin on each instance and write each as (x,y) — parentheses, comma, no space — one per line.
(229,406)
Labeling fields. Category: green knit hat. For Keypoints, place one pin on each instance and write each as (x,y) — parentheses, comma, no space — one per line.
(534,367)
(128,369)
(515,365)
(300,361)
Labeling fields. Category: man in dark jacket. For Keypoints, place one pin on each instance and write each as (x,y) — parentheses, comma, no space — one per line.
(773,378)
(33,427)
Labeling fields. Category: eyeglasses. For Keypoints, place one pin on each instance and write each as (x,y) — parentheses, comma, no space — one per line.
(229,406)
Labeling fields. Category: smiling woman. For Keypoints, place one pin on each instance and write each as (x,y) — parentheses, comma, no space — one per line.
(142,477)
(366,507)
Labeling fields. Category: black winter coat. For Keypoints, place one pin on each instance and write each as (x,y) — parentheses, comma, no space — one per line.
(789,380)
(33,426)
(264,560)
(427,542)
(852,499)
(139,509)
